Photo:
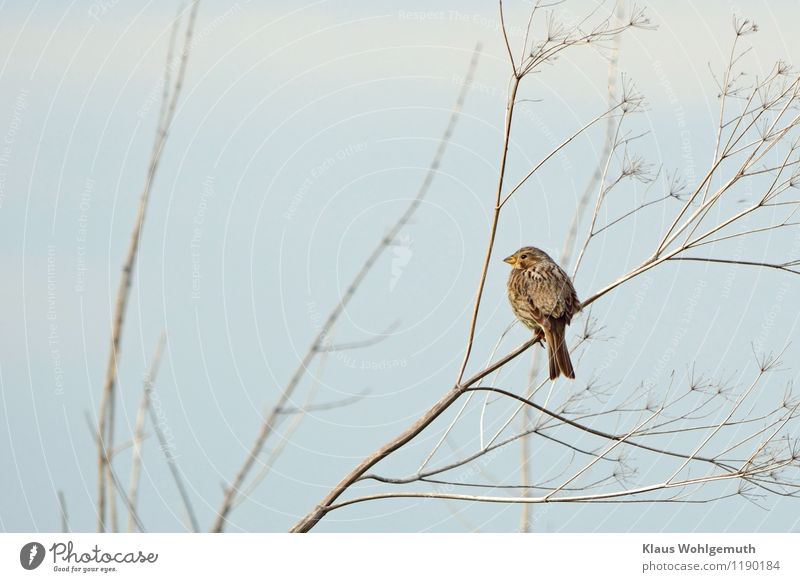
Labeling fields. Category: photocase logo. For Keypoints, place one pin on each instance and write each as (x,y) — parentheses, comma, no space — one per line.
(31,555)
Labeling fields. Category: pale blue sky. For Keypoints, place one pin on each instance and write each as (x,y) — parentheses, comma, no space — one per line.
(302,132)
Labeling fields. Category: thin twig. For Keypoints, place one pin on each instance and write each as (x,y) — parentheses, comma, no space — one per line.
(138,435)
(106,411)
(764,466)
(332,405)
(62,509)
(320,341)
(512,96)
(173,468)
(286,437)
(542,54)
(114,480)
(505,38)
(587,498)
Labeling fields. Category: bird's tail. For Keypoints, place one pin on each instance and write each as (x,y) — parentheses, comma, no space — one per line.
(557,352)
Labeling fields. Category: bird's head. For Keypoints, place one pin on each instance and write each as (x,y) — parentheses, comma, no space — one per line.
(526,257)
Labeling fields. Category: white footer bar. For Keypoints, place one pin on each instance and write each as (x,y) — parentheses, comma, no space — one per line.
(389,557)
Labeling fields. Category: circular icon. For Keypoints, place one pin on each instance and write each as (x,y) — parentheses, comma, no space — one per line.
(31,555)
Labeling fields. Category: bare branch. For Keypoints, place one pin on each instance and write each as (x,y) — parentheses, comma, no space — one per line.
(505,38)
(115,482)
(62,509)
(780,266)
(106,413)
(342,402)
(138,435)
(173,468)
(319,342)
(763,127)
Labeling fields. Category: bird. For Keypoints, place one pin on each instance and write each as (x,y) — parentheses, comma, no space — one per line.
(543,298)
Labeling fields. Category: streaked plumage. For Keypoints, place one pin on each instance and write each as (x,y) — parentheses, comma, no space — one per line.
(543,298)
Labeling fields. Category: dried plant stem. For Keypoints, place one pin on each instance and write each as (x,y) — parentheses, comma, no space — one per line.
(106,410)
(541,54)
(321,341)
(114,480)
(62,509)
(718,427)
(750,470)
(512,96)
(604,454)
(561,146)
(461,410)
(138,435)
(310,520)
(173,469)
(557,418)
(525,448)
(772,453)
(286,437)
(600,197)
(586,498)
(567,252)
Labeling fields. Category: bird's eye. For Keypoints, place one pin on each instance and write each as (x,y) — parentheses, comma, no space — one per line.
(523,256)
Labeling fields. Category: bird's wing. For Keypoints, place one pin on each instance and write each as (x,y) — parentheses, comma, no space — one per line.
(550,291)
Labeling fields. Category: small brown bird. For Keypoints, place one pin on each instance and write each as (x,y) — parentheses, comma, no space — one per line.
(543,298)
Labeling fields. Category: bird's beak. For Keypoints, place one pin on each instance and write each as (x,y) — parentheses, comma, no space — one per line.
(510,260)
